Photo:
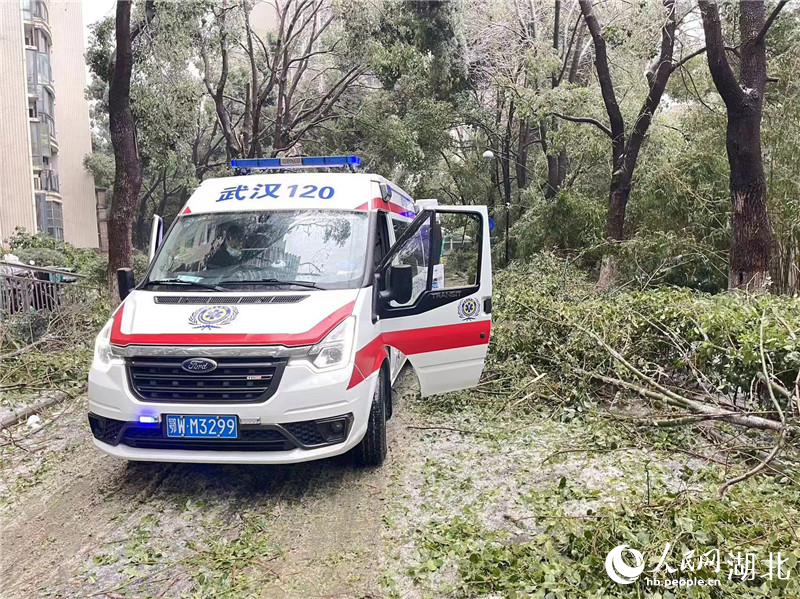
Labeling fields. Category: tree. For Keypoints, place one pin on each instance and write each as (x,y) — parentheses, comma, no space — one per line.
(128,164)
(625,148)
(404,116)
(293,79)
(751,230)
(177,135)
(558,161)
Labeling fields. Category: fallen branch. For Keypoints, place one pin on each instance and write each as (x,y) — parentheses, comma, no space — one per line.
(676,400)
(447,428)
(25,413)
(776,467)
(25,349)
(781,437)
(672,398)
(585,450)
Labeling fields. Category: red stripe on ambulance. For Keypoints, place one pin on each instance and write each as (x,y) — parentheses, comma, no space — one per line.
(314,335)
(417,341)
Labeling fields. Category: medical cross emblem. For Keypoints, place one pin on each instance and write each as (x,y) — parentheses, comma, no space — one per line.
(213,317)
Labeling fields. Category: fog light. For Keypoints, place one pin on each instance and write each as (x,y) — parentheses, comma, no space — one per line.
(148,419)
(334,431)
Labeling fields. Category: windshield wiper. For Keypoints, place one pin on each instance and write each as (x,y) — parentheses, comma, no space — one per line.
(184,282)
(308,284)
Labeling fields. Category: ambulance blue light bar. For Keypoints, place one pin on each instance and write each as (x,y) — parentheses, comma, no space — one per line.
(295,162)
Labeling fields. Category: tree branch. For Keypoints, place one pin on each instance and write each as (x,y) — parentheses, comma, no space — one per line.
(568,50)
(604,76)
(721,71)
(149,15)
(657,77)
(683,61)
(585,119)
(768,23)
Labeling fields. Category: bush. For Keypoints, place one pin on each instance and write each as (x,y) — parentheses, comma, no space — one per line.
(546,307)
(48,251)
(665,258)
(39,256)
(568,221)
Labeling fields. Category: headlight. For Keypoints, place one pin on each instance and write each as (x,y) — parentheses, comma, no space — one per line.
(102,348)
(336,347)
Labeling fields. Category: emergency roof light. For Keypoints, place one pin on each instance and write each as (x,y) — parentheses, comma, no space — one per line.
(244,165)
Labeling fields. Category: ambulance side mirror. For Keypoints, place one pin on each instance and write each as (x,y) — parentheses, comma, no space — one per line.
(125,282)
(400,284)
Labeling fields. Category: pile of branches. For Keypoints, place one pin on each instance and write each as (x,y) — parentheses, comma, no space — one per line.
(48,350)
(727,365)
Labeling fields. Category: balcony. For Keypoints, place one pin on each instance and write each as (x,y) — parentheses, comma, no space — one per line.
(38,70)
(51,126)
(48,181)
(35,9)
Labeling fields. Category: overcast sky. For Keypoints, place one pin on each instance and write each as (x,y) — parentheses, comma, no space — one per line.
(93,11)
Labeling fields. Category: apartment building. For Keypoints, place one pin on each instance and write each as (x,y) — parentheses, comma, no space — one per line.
(44,122)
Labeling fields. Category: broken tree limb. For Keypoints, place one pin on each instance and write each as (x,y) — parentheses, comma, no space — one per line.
(23,414)
(698,407)
(781,437)
(670,397)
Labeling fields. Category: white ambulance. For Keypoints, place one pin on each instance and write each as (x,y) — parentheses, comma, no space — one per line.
(277,312)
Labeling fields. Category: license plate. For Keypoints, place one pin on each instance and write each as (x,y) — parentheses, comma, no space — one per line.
(202,427)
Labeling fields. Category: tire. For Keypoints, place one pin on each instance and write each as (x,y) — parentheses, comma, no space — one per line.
(388,397)
(372,449)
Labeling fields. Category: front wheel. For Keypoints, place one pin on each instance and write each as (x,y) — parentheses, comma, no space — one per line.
(372,449)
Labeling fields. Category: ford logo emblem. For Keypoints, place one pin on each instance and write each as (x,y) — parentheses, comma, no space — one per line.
(199,365)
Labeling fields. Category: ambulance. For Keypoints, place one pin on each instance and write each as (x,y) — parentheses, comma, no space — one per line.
(277,312)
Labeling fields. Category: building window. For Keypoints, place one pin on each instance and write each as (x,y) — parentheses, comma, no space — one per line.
(41,211)
(43,68)
(30,60)
(54,219)
(40,142)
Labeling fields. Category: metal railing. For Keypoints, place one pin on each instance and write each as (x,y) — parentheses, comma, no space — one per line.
(50,122)
(30,290)
(39,9)
(48,181)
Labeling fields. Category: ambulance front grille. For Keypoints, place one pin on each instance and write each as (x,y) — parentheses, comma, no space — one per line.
(195,300)
(234,380)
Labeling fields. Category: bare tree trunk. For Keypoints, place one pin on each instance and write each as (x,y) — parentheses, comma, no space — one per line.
(625,149)
(618,196)
(751,230)
(523,147)
(556,163)
(505,157)
(617,205)
(128,171)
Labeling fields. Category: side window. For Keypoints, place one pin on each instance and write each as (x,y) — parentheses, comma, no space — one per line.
(399,227)
(457,264)
(415,252)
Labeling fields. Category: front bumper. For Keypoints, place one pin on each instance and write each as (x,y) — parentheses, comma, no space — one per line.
(303,397)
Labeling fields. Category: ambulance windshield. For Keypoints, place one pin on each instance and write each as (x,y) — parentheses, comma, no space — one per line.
(321,248)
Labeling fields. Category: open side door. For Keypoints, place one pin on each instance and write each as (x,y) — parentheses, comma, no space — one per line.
(433,296)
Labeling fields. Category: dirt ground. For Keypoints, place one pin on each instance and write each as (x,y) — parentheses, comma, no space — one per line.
(77,523)
(459,482)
